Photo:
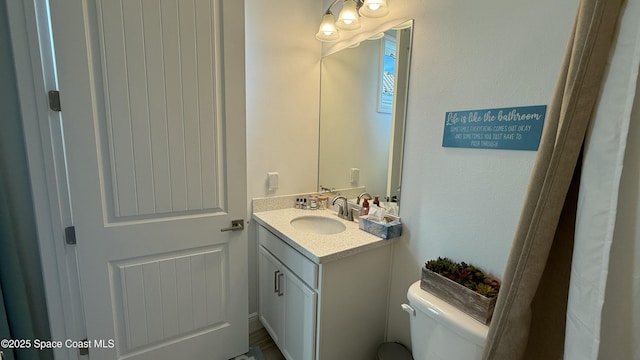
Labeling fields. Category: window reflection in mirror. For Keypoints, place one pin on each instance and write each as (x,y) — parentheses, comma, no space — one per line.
(363,96)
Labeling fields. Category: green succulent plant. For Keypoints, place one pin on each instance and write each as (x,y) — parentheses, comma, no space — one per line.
(465,274)
(486,290)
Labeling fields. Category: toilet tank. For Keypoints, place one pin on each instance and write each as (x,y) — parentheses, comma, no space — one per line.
(440,331)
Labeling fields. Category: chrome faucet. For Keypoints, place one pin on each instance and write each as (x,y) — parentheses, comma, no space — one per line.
(361,195)
(344,211)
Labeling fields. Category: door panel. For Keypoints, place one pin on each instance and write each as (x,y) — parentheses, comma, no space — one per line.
(166,296)
(154,133)
(163,124)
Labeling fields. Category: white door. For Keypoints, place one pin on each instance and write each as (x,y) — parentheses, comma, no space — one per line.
(153,108)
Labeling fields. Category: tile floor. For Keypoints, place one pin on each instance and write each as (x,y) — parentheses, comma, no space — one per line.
(269,349)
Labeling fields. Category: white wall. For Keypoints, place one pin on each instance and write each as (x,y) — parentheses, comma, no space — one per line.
(282,78)
(465,203)
(283,72)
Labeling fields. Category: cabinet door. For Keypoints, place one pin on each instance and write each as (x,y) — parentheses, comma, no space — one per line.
(299,319)
(270,304)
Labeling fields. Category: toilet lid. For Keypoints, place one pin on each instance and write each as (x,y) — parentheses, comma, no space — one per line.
(393,351)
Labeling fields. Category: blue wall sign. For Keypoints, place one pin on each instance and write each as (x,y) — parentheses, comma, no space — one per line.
(517,128)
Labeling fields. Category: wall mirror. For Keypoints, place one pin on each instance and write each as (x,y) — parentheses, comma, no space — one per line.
(363,98)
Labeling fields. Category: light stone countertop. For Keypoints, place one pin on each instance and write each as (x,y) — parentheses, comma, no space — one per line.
(319,248)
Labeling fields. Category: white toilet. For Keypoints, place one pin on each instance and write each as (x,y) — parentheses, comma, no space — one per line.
(440,331)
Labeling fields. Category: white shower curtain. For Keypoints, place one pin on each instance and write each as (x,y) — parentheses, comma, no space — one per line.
(603,313)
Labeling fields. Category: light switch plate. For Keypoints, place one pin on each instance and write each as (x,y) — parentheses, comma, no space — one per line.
(272,181)
(355,176)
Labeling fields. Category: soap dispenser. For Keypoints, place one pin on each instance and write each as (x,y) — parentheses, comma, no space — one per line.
(364,209)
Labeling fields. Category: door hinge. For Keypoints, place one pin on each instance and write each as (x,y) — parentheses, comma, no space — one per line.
(70,235)
(54,100)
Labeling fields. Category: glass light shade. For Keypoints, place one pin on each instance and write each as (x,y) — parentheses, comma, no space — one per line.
(328,30)
(374,8)
(349,18)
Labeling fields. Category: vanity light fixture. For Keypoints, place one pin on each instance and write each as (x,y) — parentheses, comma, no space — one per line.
(349,17)
(328,30)
(374,8)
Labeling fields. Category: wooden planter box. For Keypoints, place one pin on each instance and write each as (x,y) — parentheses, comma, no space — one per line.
(477,306)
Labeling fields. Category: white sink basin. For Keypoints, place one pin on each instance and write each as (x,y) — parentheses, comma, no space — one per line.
(318,225)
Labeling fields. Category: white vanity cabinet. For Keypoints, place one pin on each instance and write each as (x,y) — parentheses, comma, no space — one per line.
(327,310)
